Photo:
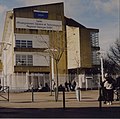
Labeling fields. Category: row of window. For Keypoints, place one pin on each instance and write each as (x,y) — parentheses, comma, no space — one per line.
(23,44)
(24,60)
(95,58)
(94,39)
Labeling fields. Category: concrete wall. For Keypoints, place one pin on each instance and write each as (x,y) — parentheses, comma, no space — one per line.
(73,47)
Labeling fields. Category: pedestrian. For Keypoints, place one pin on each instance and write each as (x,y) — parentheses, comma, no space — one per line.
(109,83)
(77,89)
(104,94)
(117,87)
(74,85)
(47,87)
(0,86)
(66,86)
(54,86)
(70,85)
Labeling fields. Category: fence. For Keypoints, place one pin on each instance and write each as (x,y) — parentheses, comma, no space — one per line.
(3,90)
(19,82)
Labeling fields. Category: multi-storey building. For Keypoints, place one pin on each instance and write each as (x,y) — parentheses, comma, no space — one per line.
(28,33)
(36,38)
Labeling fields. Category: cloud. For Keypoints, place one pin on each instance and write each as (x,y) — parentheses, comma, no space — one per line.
(108,35)
(72,7)
(2,9)
(108,6)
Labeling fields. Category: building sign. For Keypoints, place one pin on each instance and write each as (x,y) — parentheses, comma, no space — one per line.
(42,24)
(40,14)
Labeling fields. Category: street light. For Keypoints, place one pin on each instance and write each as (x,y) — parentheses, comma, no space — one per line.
(100,53)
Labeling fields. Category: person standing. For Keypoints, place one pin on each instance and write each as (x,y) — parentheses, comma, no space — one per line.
(104,96)
(66,86)
(109,89)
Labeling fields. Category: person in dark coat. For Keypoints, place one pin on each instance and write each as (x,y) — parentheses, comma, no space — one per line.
(109,85)
(66,86)
(104,94)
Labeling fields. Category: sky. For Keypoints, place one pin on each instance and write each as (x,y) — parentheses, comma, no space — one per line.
(101,14)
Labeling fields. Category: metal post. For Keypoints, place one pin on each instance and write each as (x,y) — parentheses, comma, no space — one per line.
(52,68)
(101,60)
(56,91)
(78,95)
(102,76)
(55,94)
(100,98)
(63,98)
(8,94)
(6,68)
(32,95)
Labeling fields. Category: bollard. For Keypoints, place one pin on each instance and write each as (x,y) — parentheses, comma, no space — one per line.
(32,95)
(8,94)
(100,100)
(63,98)
(55,94)
(78,95)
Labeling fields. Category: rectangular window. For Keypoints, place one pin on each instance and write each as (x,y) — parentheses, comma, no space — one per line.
(23,44)
(30,60)
(94,39)
(95,58)
(18,60)
(24,60)
(17,44)
(29,44)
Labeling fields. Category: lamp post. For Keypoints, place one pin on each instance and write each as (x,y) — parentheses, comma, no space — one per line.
(52,68)
(50,51)
(100,53)
(101,62)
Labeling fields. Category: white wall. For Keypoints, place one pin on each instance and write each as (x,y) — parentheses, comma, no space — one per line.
(73,47)
(39,41)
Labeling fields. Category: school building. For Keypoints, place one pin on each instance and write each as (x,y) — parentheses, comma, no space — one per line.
(40,42)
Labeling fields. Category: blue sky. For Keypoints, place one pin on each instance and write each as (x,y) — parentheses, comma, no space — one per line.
(101,14)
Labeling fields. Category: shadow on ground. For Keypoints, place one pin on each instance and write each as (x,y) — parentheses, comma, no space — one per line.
(89,112)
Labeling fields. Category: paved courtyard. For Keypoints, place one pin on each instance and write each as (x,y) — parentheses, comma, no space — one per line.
(20,105)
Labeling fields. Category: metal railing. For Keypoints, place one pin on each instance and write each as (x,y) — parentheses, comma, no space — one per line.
(4,89)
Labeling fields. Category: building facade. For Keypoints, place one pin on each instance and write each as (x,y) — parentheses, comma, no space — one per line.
(39,43)
(82,53)
(28,33)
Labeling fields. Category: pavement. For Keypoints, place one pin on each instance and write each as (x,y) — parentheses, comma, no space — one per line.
(43,105)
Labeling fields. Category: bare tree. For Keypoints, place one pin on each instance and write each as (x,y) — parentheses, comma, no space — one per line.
(114,55)
(56,47)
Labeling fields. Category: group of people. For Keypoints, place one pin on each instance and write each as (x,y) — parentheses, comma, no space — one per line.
(70,86)
(108,87)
